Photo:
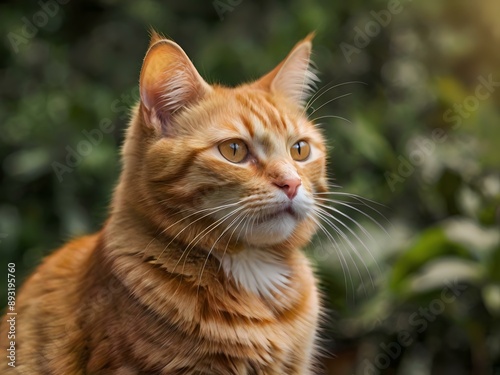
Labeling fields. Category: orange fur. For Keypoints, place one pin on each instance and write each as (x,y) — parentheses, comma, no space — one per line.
(166,286)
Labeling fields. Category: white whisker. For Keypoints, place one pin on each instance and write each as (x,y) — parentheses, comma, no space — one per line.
(211,212)
(345,204)
(322,92)
(343,262)
(213,245)
(231,236)
(328,214)
(331,116)
(328,102)
(325,216)
(206,232)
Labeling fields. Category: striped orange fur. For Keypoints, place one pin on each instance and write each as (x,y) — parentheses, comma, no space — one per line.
(198,269)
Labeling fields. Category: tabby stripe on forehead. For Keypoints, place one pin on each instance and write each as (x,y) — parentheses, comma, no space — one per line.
(259,108)
(278,116)
(248,125)
(257,113)
(274,118)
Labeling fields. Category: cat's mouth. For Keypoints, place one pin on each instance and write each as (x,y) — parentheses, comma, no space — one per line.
(274,224)
(279,213)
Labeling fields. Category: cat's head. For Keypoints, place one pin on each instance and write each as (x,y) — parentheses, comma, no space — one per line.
(241,163)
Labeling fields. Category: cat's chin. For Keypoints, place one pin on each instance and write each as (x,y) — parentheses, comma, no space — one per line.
(272,231)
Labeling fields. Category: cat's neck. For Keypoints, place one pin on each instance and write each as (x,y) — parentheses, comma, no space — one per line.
(265,272)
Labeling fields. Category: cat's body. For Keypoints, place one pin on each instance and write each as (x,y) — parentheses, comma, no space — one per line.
(198,269)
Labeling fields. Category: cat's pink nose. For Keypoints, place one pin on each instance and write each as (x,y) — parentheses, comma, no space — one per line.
(289,185)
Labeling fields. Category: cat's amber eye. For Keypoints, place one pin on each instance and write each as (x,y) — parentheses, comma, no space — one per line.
(234,150)
(300,150)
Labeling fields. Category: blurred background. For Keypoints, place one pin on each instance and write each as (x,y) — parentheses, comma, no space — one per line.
(409,102)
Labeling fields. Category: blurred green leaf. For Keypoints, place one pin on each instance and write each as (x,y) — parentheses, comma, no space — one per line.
(431,244)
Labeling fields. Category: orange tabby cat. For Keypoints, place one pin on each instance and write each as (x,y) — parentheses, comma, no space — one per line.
(198,269)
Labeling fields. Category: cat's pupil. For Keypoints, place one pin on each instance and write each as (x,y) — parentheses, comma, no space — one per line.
(234,146)
(298,147)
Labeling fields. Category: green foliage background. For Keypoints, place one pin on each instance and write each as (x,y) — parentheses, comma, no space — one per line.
(434,166)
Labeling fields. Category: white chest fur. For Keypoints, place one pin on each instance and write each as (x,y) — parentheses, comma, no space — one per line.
(257,271)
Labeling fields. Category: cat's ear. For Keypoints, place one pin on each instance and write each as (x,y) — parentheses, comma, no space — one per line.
(293,77)
(169,81)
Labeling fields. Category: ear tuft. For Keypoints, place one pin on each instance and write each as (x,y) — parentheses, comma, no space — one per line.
(155,36)
(293,77)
